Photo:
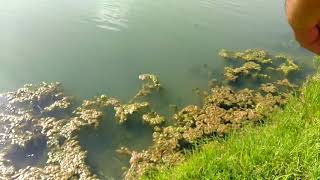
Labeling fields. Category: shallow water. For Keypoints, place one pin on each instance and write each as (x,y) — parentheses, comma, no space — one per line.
(101,46)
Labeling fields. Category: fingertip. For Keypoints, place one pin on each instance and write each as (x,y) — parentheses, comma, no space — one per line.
(315,48)
(314,35)
(309,39)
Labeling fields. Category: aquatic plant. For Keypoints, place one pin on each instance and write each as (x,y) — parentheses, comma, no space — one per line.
(153,118)
(257,63)
(223,109)
(249,68)
(43,113)
(284,148)
(288,67)
(151,82)
(250,55)
(123,111)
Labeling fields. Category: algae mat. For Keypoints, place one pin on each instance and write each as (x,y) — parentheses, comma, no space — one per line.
(47,134)
(96,47)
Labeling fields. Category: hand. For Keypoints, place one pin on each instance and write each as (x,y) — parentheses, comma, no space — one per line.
(304,18)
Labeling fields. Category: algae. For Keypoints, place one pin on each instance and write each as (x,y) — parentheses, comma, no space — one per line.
(123,111)
(153,118)
(25,117)
(232,74)
(288,67)
(151,83)
(223,109)
(269,88)
(258,64)
(249,55)
(44,111)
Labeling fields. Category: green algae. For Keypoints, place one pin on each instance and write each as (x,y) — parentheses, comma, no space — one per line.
(123,111)
(44,110)
(269,88)
(153,118)
(288,67)
(249,68)
(223,109)
(258,64)
(151,83)
(25,116)
(249,55)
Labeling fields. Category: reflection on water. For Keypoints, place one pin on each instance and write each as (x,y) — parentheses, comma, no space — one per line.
(113,15)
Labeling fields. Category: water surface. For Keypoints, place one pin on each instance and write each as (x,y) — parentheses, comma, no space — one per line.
(101,46)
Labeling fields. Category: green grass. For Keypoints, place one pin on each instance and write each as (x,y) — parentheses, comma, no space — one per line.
(288,147)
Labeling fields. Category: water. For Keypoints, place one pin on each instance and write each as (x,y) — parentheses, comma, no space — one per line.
(101,46)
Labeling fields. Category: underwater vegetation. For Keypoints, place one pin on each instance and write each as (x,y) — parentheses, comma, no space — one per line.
(285,147)
(258,64)
(37,115)
(42,117)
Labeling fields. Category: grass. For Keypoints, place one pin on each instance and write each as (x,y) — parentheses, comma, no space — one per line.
(288,147)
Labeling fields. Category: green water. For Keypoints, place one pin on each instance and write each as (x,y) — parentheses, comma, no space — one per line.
(101,46)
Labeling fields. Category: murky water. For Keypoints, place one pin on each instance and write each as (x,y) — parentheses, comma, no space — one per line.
(101,46)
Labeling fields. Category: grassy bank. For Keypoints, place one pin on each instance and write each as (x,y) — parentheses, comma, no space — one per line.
(287,147)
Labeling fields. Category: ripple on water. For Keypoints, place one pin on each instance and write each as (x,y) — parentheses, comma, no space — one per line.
(112,15)
(232,7)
